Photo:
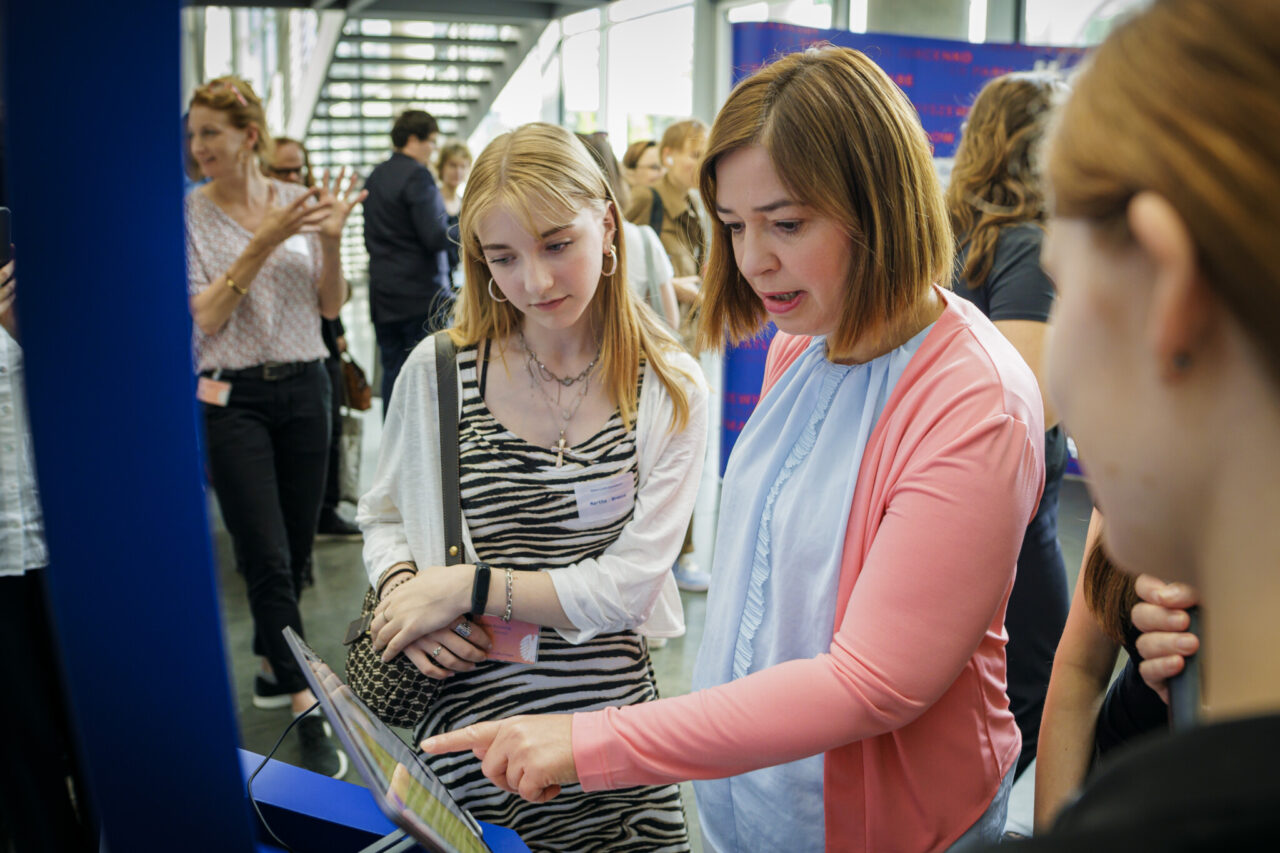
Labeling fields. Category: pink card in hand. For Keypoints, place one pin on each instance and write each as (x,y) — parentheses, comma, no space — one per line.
(513,642)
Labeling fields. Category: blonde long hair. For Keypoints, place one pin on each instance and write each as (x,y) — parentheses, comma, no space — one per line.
(533,170)
(845,140)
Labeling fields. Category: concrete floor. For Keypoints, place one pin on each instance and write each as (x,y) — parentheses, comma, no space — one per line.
(340,584)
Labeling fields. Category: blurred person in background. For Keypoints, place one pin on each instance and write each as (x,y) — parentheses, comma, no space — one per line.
(671,207)
(452,168)
(292,164)
(641,164)
(42,805)
(264,266)
(649,269)
(997,209)
(406,232)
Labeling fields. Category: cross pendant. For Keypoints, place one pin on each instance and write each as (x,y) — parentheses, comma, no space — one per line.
(559,448)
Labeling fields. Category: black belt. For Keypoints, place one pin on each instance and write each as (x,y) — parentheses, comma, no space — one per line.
(271,371)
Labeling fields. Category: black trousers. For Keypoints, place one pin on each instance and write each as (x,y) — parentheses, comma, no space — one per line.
(36,808)
(268,455)
(1038,604)
(396,339)
(332,490)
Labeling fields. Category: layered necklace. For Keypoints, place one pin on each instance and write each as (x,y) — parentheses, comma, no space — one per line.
(563,413)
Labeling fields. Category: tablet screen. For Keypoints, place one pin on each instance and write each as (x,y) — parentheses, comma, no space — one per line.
(406,790)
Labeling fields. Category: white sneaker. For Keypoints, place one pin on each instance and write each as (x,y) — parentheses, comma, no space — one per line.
(688,577)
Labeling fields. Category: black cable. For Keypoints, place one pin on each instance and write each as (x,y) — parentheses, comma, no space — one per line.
(253,775)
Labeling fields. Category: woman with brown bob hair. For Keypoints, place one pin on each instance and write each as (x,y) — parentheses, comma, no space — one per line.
(849,691)
(1164,175)
(581,438)
(997,210)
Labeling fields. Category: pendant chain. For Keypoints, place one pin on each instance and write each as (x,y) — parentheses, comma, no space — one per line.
(538,374)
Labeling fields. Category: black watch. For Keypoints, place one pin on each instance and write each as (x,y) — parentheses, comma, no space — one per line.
(480,589)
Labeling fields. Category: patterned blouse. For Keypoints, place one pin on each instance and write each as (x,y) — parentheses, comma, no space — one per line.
(280,318)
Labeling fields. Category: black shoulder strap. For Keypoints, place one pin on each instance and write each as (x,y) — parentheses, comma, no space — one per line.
(447,397)
(656,212)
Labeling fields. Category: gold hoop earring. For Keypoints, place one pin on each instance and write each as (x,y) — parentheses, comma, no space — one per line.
(613,256)
(494,297)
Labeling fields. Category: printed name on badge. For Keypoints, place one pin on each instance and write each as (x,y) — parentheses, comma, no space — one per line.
(602,499)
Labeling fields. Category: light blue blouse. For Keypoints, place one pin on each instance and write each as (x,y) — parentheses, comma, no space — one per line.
(784,508)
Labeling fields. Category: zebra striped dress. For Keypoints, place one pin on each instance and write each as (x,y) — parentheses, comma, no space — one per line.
(522,513)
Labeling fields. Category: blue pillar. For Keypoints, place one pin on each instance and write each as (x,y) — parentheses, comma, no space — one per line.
(94,167)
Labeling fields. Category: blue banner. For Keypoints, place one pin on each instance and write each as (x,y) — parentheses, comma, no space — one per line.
(940,77)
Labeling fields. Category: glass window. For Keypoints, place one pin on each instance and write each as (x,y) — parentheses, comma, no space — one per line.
(1073,24)
(801,13)
(581,56)
(650,74)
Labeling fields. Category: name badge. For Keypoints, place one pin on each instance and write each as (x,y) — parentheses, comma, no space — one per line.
(212,391)
(513,642)
(298,243)
(603,499)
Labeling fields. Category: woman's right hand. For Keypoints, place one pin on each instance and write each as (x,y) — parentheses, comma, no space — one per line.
(304,214)
(441,653)
(1162,618)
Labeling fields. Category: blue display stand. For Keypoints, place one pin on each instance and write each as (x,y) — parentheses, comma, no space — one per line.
(94,165)
(313,812)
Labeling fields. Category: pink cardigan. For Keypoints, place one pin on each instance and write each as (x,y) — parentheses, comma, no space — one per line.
(909,704)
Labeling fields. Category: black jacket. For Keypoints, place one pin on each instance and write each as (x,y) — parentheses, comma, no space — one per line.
(406,235)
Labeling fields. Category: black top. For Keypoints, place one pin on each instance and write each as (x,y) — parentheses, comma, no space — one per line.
(405,233)
(1017,287)
(1215,788)
(1131,708)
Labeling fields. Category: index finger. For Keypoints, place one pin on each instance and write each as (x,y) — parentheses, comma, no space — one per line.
(476,737)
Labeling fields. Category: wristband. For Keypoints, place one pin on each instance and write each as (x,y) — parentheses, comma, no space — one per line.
(480,589)
(391,573)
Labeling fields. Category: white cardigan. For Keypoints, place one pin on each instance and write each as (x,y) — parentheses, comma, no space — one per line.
(630,586)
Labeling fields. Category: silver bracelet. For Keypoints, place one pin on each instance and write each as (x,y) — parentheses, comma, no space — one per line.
(506,616)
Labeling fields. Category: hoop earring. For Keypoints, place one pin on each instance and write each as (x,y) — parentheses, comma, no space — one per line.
(613,256)
(492,296)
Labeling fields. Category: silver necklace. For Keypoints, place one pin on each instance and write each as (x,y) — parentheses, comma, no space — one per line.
(565,416)
(551,377)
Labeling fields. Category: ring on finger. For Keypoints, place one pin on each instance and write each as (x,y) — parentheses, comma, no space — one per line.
(435,653)
(462,629)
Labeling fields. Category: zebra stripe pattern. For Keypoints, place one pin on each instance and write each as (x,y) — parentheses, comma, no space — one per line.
(522,512)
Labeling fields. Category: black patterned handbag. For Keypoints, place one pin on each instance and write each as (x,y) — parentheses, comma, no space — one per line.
(397,691)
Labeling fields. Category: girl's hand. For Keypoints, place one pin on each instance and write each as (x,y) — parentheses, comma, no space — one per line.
(1162,618)
(305,213)
(441,653)
(341,201)
(436,598)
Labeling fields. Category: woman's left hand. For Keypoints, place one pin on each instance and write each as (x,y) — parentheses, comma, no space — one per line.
(343,200)
(435,598)
(531,756)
